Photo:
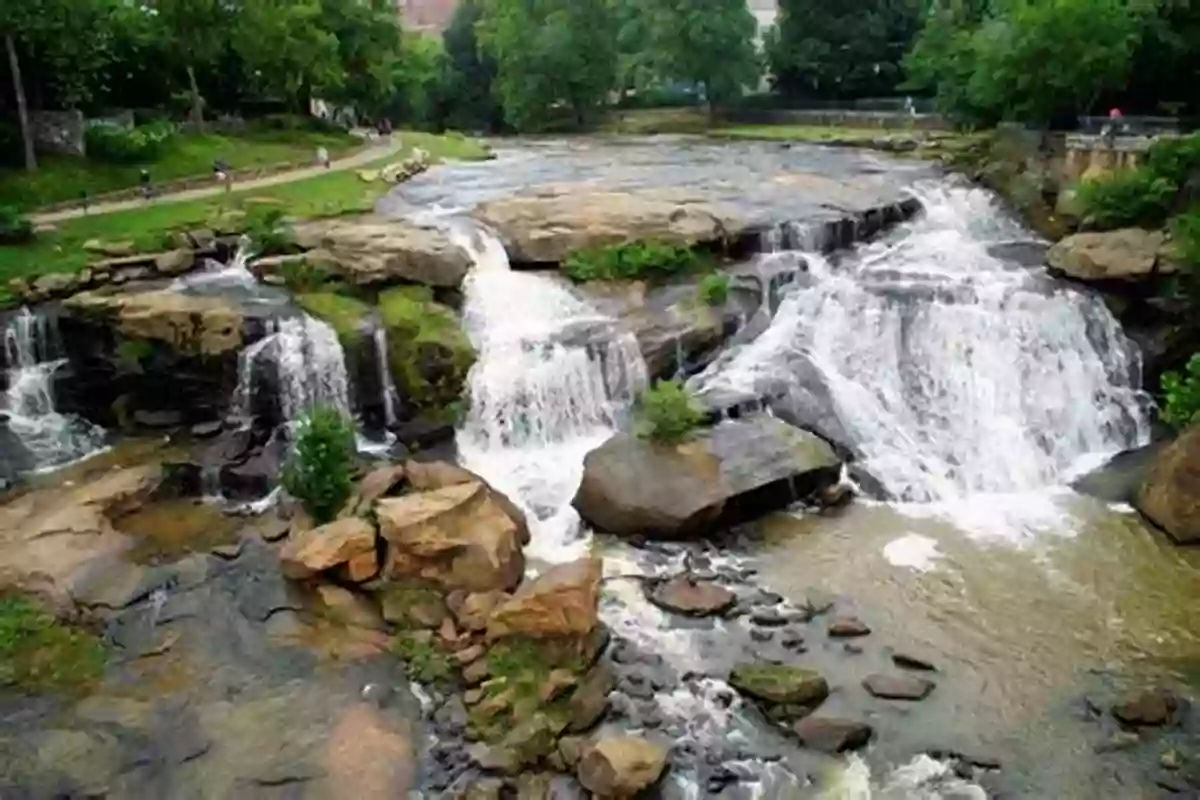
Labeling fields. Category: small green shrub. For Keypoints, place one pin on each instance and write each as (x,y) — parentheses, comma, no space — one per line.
(304,277)
(1181,394)
(714,289)
(37,653)
(320,472)
(1174,158)
(631,260)
(425,661)
(1127,197)
(264,226)
(15,228)
(114,144)
(667,413)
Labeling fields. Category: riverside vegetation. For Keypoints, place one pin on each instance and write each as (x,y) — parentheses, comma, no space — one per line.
(320,472)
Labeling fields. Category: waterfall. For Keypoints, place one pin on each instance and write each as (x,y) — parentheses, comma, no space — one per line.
(387,387)
(950,371)
(304,358)
(32,354)
(552,380)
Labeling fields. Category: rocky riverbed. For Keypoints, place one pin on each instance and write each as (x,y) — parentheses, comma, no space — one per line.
(523,598)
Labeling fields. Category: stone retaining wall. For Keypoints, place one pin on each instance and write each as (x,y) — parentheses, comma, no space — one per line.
(886,120)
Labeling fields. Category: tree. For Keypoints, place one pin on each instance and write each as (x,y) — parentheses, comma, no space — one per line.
(195,32)
(469,87)
(841,50)
(286,51)
(550,54)
(370,47)
(14,66)
(708,42)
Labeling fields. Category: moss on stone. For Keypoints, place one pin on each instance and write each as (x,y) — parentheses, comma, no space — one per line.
(426,662)
(779,683)
(38,653)
(428,351)
(344,314)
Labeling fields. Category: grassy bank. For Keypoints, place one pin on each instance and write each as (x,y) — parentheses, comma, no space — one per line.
(330,194)
(65,178)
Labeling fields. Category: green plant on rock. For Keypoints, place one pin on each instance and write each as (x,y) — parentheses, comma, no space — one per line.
(425,661)
(714,289)
(667,413)
(304,276)
(1127,197)
(648,259)
(15,228)
(428,351)
(1181,394)
(264,225)
(320,472)
(37,653)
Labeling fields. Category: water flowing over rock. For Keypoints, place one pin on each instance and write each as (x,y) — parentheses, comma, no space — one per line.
(1170,495)
(544,228)
(1129,254)
(539,400)
(739,468)
(949,372)
(43,437)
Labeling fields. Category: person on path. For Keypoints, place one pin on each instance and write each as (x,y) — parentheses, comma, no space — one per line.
(323,157)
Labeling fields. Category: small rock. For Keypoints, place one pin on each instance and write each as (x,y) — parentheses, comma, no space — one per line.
(475,672)
(683,595)
(779,683)
(473,611)
(847,627)
(207,430)
(570,750)
(273,529)
(832,735)
(472,696)
(470,654)
(590,701)
(378,694)
(770,618)
(852,649)
(350,608)
(818,601)
(359,569)
(228,551)
(898,687)
(1121,740)
(761,635)
(910,661)
(326,547)
(621,766)
(791,640)
(1170,760)
(169,418)
(1149,708)
(175,262)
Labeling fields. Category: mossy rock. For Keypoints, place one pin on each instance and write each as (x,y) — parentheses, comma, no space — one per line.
(346,315)
(779,683)
(426,661)
(40,654)
(428,351)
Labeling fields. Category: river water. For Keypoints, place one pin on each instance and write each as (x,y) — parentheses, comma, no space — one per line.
(969,386)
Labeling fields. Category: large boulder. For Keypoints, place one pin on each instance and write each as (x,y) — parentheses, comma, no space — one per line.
(373,250)
(561,602)
(735,470)
(543,228)
(190,325)
(621,766)
(1170,496)
(459,537)
(341,542)
(1128,254)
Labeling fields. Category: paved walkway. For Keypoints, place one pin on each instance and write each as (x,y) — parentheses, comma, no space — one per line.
(359,159)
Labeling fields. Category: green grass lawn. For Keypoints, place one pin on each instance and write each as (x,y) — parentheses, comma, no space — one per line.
(337,192)
(63,178)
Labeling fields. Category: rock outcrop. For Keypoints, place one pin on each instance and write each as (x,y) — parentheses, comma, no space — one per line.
(739,468)
(1128,254)
(196,326)
(561,602)
(621,766)
(345,541)
(543,228)
(1170,495)
(374,251)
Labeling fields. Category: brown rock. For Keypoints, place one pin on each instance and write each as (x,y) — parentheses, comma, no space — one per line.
(847,627)
(898,687)
(473,613)
(1146,708)
(306,554)
(470,654)
(1170,495)
(373,250)
(376,484)
(561,602)
(621,766)
(832,735)
(1129,254)
(425,476)
(360,568)
(174,262)
(192,325)
(458,537)
(124,247)
(368,757)
(349,608)
(412,606)
(692,598)
(556,684)
(570,750)
(911,661)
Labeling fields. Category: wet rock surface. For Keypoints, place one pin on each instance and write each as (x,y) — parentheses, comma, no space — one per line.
(1170,494)
(691,598)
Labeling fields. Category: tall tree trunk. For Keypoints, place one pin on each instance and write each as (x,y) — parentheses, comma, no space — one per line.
(14,67)
(197,113)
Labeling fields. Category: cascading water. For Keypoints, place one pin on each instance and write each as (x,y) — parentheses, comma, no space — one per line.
(387,386)
(552,380)
(32,355)
(952,372)
(306,361)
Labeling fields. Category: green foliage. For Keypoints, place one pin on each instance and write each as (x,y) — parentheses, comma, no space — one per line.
(304,276)
(346,315)
(1181,394)
(425,661)
(684,35)
(1174,158)
(266,229)
(837,50)
(714,289)
(631,260)
(428,352)
(1126,197)
(555,59)
(133,351)
(667,413)
(141,144)
(15,228)
(320,471)
(37,653)
(468,98)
